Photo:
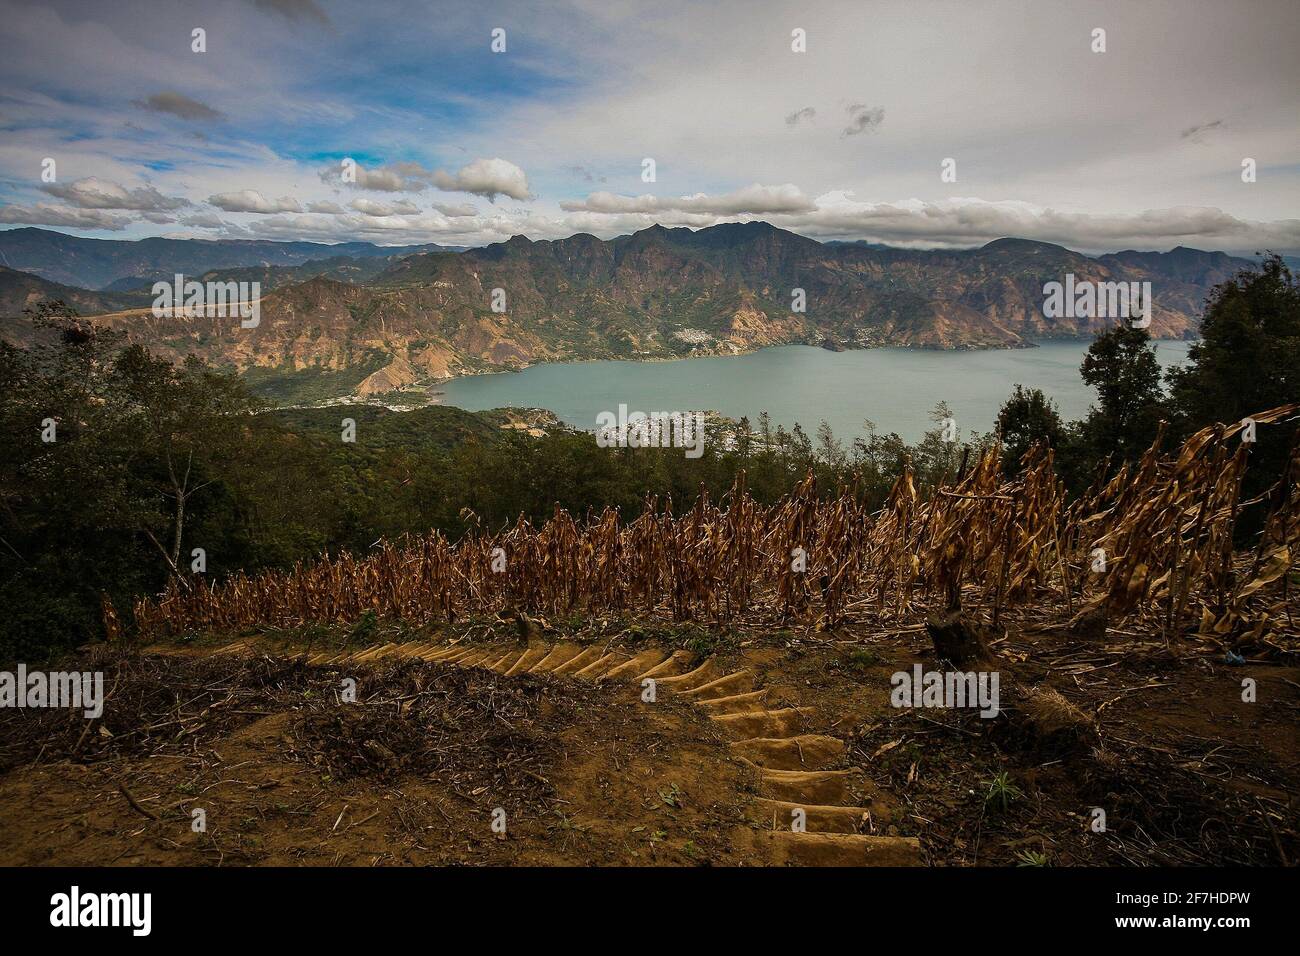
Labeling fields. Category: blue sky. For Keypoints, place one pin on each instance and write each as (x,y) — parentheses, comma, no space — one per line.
(1136,146)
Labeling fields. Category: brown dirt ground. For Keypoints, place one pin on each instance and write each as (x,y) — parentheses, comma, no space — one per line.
(610,781)
(1187,772)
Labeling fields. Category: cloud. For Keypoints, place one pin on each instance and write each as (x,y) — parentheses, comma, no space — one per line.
(956,223)
(325,206)
(862,119)
(1197,133)
(250,200)
(294,9)
(755,200)
(179,105)
(204,220)
(488,178)
(455,210)
(588,175)
(799,116)
(401,207)
(94,193)
(965,222)
(50,214)
(393,178)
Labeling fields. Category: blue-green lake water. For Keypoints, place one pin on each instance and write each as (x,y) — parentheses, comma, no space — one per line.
(894,388)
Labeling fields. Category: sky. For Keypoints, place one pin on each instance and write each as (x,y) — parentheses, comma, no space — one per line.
(920,123)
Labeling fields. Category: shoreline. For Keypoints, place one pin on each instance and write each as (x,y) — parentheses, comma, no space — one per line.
(425,393)
(654,359)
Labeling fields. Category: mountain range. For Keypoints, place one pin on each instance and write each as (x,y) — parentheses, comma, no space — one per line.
(374,318)
(124,264)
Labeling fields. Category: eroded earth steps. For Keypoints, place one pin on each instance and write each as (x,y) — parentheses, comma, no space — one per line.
(809,814)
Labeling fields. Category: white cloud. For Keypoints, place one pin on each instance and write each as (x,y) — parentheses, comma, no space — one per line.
(971,221)
(753,200)
(1148,171)
(456,210)
(50,214)
(955,223)
(94,193)
(392,178)
(401,207)
(250,200)
(488,178)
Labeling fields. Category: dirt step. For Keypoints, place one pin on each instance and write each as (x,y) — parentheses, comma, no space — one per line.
(507,660)
(804,752)
(637,665)
(529,658)
(676,663)
(826,787)
(779,814)
(559,654)
(785,722)
(733,683)
(489,659)
(473,659)
(736,704)
(840,849)
(598,667)
(414,650)
(383,650)
(694,678)
(577,662)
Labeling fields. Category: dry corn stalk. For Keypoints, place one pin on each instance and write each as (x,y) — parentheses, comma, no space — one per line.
(1164,526)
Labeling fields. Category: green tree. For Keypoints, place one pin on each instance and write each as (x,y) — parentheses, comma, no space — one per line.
(1028,416)
(1246,361)
(1248,357)
(97,438)
(183,421)
(68,506)
(1121,364)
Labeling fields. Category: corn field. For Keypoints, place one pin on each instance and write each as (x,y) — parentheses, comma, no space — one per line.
(1154,540)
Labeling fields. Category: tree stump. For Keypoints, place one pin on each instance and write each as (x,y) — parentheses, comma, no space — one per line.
(957,640)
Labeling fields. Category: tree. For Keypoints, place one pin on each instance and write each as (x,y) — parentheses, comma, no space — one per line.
(67,504)
(1121,365)
(1248,356)
(97,439)
(184,419)
(1247,361)
(1028,416)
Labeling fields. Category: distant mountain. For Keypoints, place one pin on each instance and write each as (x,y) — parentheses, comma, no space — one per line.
(339,268)
(99,263)
(22,290)
(661,293)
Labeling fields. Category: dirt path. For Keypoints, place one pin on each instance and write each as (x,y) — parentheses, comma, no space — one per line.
(624,747)
(653,758)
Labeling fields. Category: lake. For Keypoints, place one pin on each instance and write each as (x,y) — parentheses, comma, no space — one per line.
(893,387)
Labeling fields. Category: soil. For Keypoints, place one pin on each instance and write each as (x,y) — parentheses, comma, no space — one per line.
(1154,734)
(286,776)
